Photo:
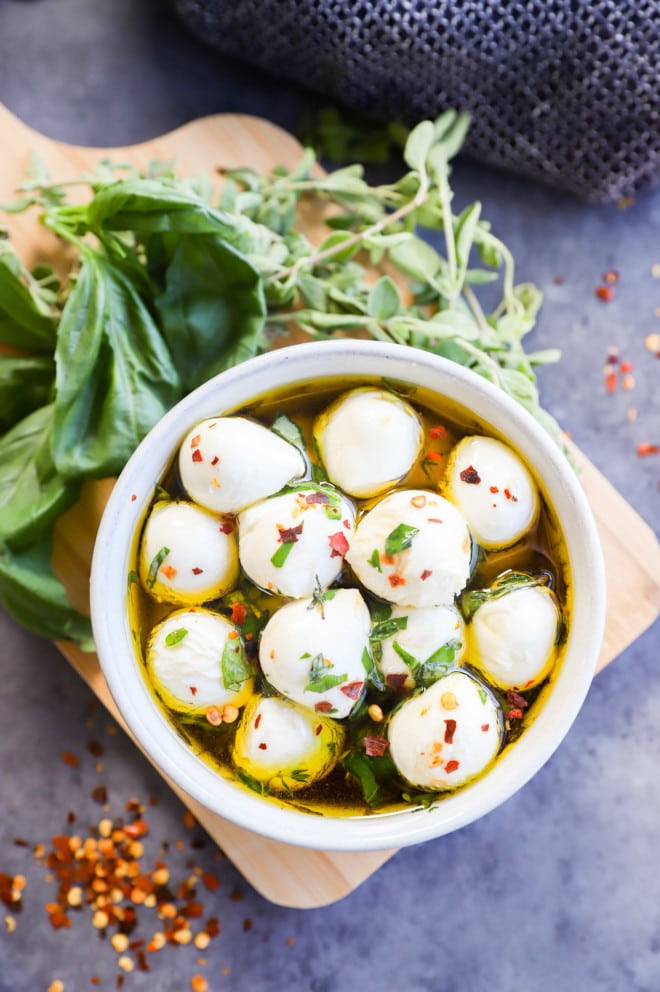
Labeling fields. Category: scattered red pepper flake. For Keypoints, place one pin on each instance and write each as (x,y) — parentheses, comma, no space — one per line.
(289,535)
(396,580)
(611,276)
(169,571)
(434,520)
(338,545)
(211,881)
(375,746)
(419,501)
(426,574)
(324,706)
(352,689)
(397,681)
(494,489)
(438,432)
(70,759)
(644,449)
(195,441)
(514,714)
(605,293)
(193,689)
(238,613)
(262,746)
(433,456)
(133,497)
(197,455)
(485,727)
(197,570)
(515,699)
(99,794)
(611,381)
(318,729)
(450,730)
(215,460)
(452,766)
(626,366)
(470,475)
(316,497)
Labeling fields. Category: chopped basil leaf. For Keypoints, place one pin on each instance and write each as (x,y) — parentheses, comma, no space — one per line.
(288,431)
(235,666)
(437,664)
(156,562)
(282,553)
(400,539)
(252,783)
(360,766)
(381,631)
(374,561)
(319,680)
(133,578)
(373,675)
(381,611)
(175,637)
(483,696)
(299,775)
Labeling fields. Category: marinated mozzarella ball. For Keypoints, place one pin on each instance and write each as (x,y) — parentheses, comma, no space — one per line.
(445,736)
(187,555)
(513,637)
(493,489)
(368,440)
(412,548)
(228,463)
(312,651)
(196,660)
(423,644)
(285,746)
(292,543)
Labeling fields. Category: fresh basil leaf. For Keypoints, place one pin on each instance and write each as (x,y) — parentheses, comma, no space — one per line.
(374,560)
(319,678)
(400,539)
(282,553)
(386,628)
(361,767)
(289,431)
(175,637)
(25,321)
(36,598)
(26,383)
(212,308)
(235,666)
(413,664)
(114,375)
(373,675)
(154,566)
(32,493)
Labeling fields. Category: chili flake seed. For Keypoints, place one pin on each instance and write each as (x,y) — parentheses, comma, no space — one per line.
(632,414)
(199,984)
(119,942)
(214,716)
(56,986)
(125,963)
(628,382)
(201,940)
(229,713)
(611,276)
(376,713)
(655,270)
(448,701)
(10,923)
(652,342)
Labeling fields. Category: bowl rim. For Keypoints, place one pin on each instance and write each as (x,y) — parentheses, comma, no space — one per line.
(236,387)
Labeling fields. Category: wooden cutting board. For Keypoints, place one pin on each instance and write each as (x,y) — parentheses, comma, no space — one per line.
(285,875)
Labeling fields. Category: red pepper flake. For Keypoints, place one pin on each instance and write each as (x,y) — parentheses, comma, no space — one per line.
(346,524)
(195,441)
(515,699)
(450,730)
(605,293)
(425,574)
(316,497)
(626,366)
(318,729)
(257,721)
(70,759)
(289,535)
(323,706)
(611,381)
(352,689)
(397,681)
(470,475)
(644,449)
(387,559)
(227,527)
(396,580)
(197,455)
(485,727)
(215,460)
(193,689)
(211,881)
(438,432)
(263,746)
(376,746)
(452,766)
(197,571)
(169,571)
(238,613)
(611,276)
(559,280)
(494,489)
(99,794)
(509,495)
(434,520)
(95,748)
(514,714)
(433,456)
(338,545)
(133,497)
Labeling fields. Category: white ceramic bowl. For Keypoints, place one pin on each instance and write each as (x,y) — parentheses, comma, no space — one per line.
(233,389)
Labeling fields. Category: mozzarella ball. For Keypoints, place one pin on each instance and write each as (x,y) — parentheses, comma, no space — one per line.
(513,637)
(285,746)
(493,489)
(447,735)
(196,660)
(187,555)
(420,635)
(368,439)
(433,564)
(312,652)
(228,463)
(292,543)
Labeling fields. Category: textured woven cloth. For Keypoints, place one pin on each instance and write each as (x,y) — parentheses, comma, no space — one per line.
(565,91)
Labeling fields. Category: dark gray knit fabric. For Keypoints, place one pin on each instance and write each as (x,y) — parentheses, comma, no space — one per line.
(565,91)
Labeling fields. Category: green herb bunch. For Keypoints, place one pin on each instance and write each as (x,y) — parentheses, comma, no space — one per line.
(166,288)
